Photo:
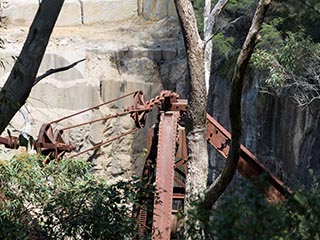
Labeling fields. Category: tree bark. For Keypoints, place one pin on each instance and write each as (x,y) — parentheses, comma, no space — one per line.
(221,183)
(196,123)
(210,19)
(22,77)
(196,180)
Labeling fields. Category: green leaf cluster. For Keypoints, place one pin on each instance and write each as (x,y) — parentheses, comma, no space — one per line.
(297,15)
(246,214)
(286,61)
(223,45)
(64,200)
(243,213)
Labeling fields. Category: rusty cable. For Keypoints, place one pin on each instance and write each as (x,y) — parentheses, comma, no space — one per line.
(106,142)
(96,120)
(97,106)
(105,118)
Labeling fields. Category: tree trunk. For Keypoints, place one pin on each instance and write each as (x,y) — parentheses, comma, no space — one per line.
(210,19)
(18,86)
(196,181)
(208,45)
(196,123)
(221,183)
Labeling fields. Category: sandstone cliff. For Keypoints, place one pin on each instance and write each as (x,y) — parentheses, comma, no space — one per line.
(128,45)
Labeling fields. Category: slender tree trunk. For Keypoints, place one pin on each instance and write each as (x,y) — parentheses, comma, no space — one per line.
(198,158)
(208,46)
(197,147)
(196,181)
(221,183)
(22,77)
(210,19)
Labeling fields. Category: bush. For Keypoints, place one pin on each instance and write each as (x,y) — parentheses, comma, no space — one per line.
(292,67)
(63,200)
(243,213)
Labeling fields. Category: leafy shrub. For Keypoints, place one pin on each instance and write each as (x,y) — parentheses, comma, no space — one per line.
(243,213)
(63,200)
(292,66)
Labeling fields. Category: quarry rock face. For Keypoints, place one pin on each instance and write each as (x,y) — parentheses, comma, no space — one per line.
(132,45)
(125,49)
(156,10)
(108,11)
(89,12)
(281,134)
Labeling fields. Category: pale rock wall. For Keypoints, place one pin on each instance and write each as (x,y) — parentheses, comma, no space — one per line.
(158,9)
(89,12)
(126,47)
(108,11)
(22,12)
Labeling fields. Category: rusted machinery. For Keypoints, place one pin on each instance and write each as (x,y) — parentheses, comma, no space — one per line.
(166,161)
(50,140)
(167,150)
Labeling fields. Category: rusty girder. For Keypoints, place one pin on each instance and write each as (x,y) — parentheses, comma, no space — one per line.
(166,167)
(249,166)
(165,175)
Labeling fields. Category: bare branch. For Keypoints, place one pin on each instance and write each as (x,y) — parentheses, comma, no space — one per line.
(212,18)
(56,70)
(18,86)
(206,13)
(232,23)
(221,183)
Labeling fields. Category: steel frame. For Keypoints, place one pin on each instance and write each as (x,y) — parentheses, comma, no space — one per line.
(167,150)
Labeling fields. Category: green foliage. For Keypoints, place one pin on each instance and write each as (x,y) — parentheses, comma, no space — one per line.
(271,37)
(297,15)
(250,216)
(237,8)
(265,61)
(243,213)
(285,61)
(297,49)
(63,200)
(223,45)
(224,48)
(198,6)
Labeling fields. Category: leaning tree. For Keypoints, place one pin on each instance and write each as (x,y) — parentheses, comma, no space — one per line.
(22,78)
(196,184)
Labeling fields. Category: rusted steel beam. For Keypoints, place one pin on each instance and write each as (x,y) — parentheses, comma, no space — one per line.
(165,175)
(249,166)
(143,211)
